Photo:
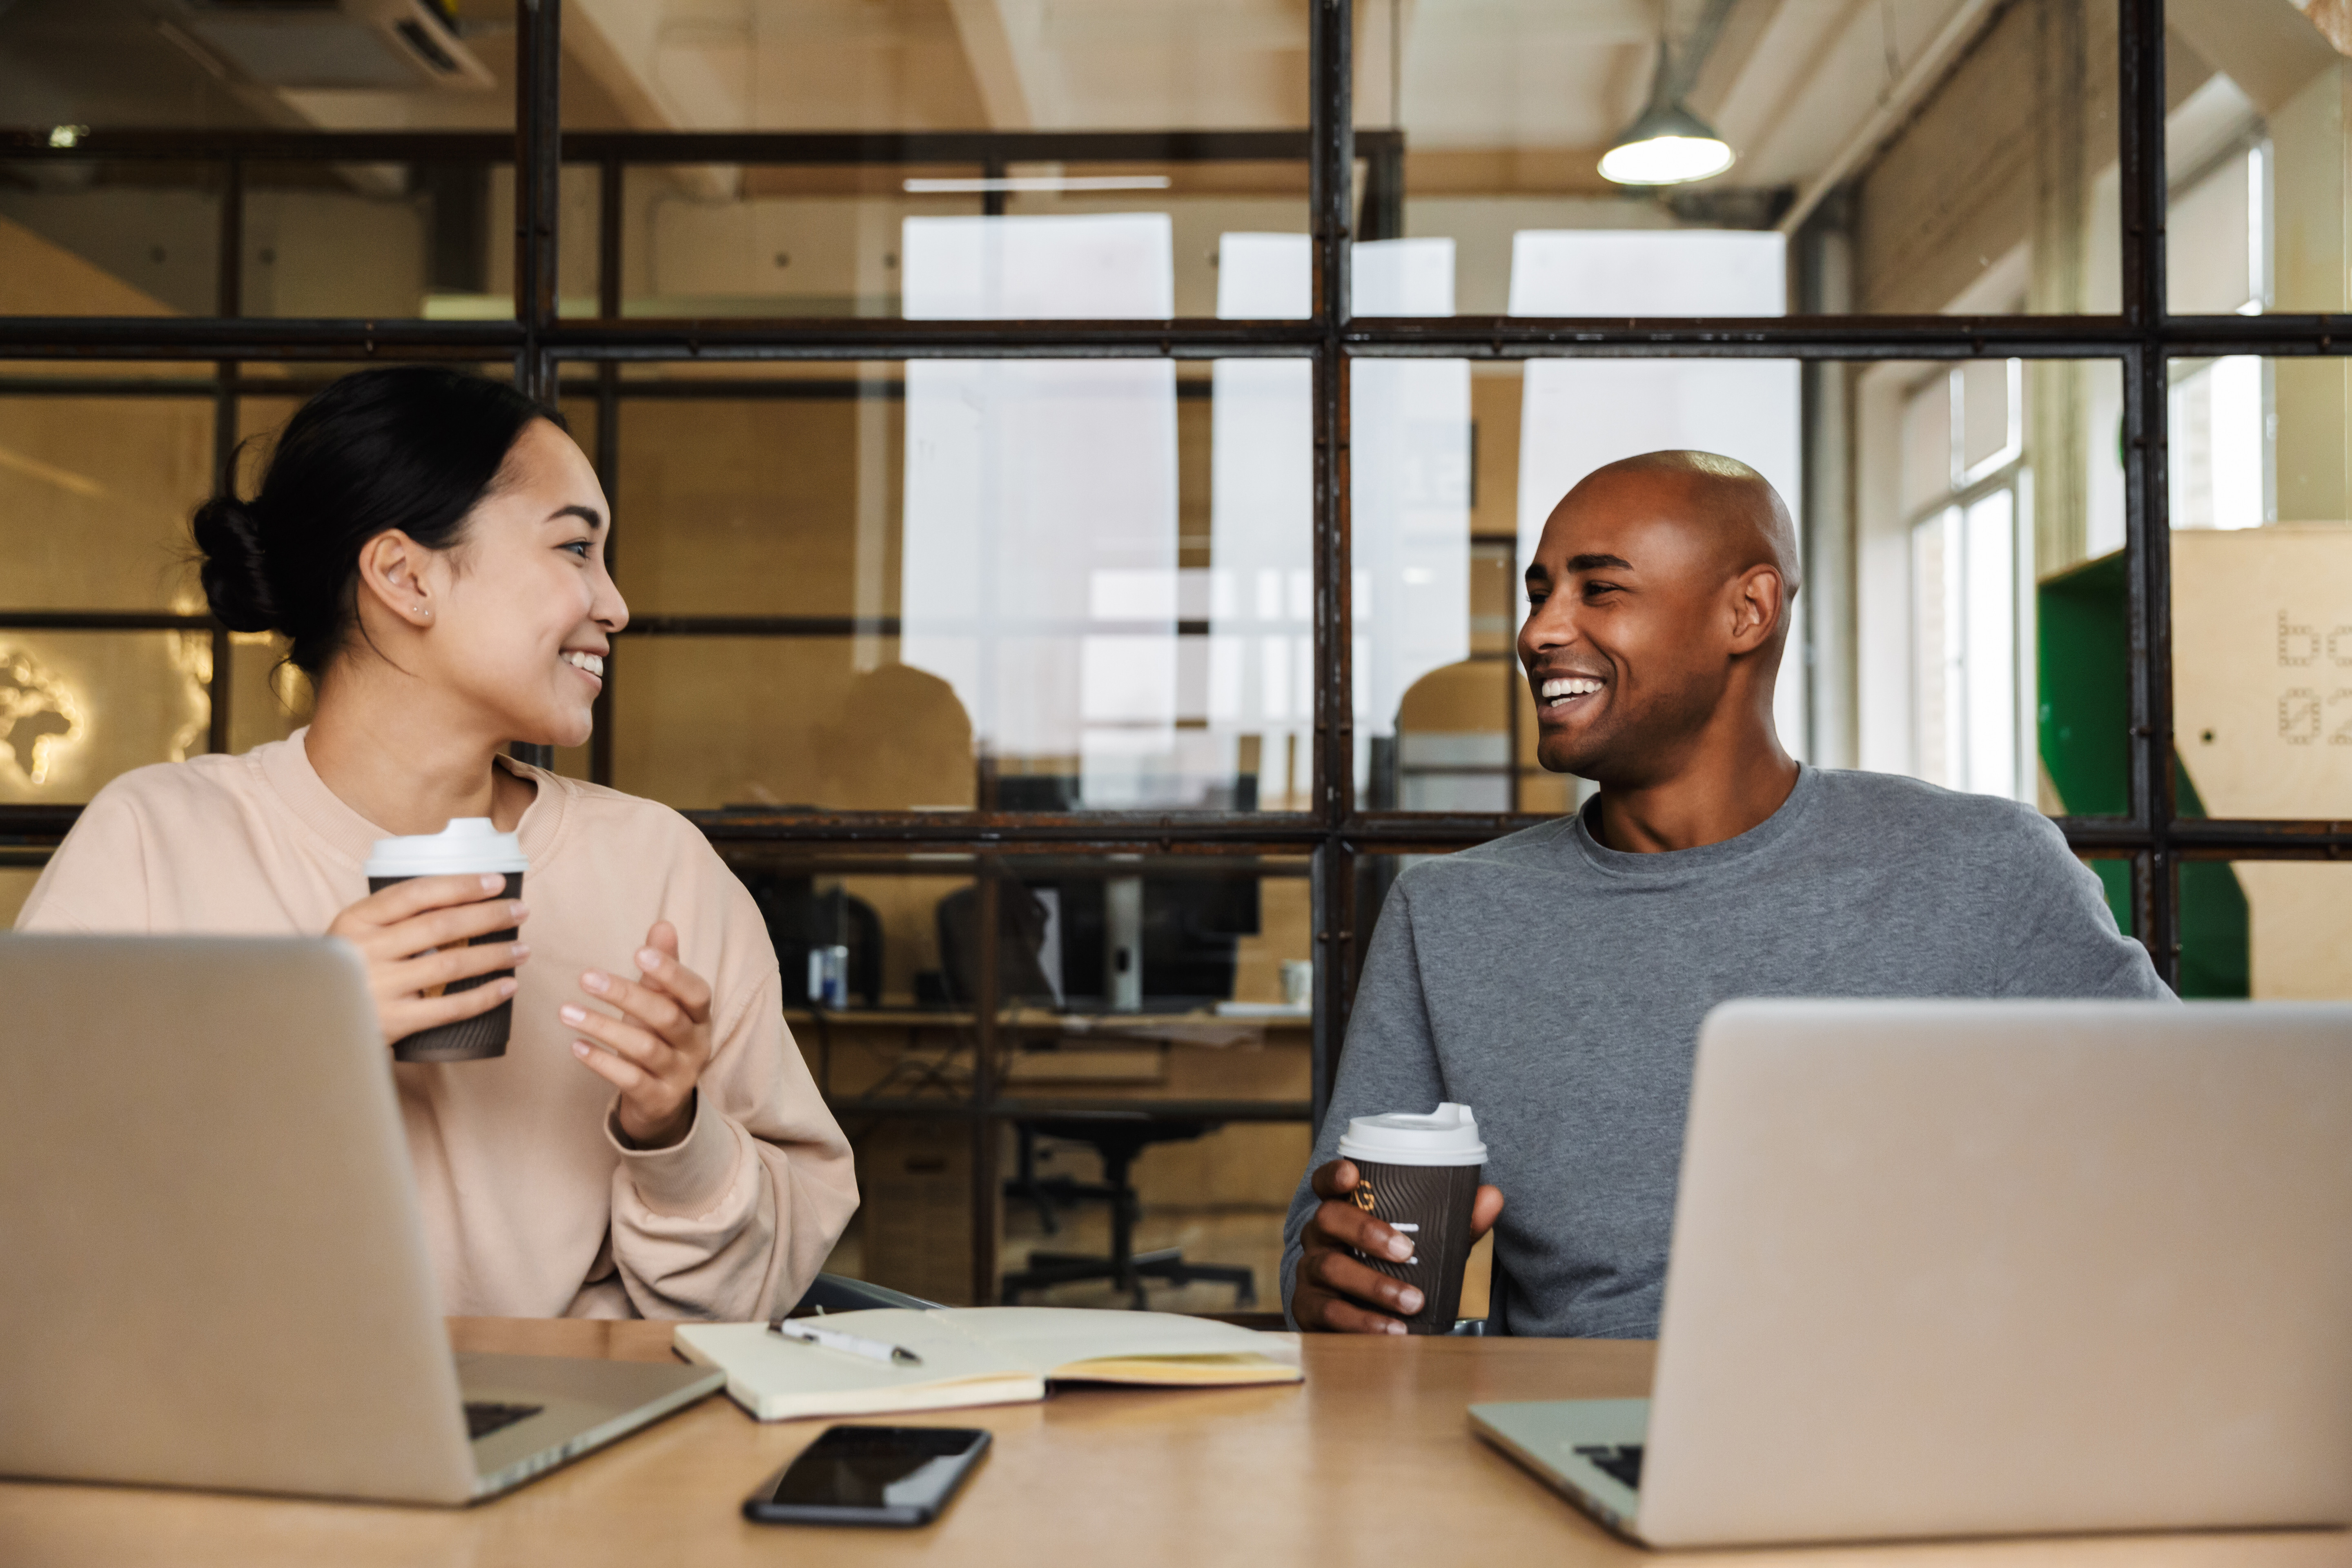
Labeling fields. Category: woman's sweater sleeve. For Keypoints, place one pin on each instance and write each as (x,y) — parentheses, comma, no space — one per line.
(96,879)
(733,1221)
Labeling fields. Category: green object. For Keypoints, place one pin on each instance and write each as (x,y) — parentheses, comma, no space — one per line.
(2084,714)
(2084,724)
(2115,880)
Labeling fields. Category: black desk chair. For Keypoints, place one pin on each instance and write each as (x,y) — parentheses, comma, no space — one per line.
(1118,1137)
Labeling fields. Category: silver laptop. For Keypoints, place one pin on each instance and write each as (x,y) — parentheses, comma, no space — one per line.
(1990,1268)
(216,1272)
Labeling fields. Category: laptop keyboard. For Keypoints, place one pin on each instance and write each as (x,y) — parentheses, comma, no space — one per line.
(1619,1461)
(485,1416)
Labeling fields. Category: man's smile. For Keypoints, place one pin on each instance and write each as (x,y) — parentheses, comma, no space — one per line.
(1559,695)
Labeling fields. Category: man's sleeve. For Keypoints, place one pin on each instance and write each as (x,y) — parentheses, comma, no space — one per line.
(2064,940)
(1390,1061)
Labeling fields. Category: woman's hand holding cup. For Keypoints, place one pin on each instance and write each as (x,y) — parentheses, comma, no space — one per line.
(654,1053)
(397,931)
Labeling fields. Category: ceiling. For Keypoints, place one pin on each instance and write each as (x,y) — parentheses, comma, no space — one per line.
(1493,94)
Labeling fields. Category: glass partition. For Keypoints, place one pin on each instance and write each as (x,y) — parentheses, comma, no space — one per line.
(1990,604)
(2254,157)
(78,708)
(1952,157)
(2273,931)
(1020,586)
(95,494)
(1172,987)
(2261,576)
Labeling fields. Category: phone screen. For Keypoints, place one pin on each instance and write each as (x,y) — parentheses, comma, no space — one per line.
(877,1474)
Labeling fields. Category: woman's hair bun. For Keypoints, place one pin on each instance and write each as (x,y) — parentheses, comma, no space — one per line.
(236,569)
(412,447)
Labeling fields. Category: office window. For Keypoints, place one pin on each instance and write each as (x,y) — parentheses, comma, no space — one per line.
(1992,648)
(1005,469)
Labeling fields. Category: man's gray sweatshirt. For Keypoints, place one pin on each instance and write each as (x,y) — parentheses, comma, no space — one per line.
(1556,986)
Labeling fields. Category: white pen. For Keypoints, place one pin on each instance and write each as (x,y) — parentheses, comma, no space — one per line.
(834,1339)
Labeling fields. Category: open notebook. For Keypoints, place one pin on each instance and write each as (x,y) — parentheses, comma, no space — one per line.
(979,1355)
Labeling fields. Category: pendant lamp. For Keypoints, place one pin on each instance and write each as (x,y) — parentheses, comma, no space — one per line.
(1666,144)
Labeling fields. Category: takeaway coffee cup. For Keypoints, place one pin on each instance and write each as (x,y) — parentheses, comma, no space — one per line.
(468,844)
(1419,1173)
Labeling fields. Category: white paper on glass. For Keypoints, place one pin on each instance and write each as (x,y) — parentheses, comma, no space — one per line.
(1040,547)
(1260,515)
(1408,500)
(1576,414)
(1410,495)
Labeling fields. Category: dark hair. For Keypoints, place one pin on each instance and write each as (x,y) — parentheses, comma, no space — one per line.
(412,447)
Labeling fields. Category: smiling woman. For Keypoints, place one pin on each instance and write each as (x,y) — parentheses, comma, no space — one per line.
(430,545)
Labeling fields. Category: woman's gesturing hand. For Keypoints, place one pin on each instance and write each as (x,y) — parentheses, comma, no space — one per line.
(654,1053)
(397,931)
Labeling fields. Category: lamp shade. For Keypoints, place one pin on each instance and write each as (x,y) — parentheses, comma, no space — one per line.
(1668,146)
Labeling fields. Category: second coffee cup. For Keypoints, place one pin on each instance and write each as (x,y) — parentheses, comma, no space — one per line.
(1419,1174)
(468,844)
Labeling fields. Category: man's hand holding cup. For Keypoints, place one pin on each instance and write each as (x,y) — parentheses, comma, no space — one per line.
(1384,1252)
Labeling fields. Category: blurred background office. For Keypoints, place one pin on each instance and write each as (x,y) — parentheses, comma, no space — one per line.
(1065,740)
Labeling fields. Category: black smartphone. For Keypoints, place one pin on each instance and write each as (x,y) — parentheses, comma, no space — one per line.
(870,1475)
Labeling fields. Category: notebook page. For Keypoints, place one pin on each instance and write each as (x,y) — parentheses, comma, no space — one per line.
(1052,1341)
(777,1378)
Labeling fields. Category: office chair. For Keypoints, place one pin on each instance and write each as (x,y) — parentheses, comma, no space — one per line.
(1118,1137)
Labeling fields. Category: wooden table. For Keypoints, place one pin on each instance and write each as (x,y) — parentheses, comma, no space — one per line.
(1370,1463)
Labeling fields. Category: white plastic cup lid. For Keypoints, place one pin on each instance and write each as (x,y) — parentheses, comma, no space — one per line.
(468,844)
(1447,1136)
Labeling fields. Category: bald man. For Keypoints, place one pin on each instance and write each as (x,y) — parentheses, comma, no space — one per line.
(1554,981)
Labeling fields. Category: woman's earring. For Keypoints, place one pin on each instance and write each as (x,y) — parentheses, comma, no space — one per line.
(425,610)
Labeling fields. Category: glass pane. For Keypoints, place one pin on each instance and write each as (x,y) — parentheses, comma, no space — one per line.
(2262,603)
(2271,929)
(1484,128)
(2255,156)
(1450,495)
(118,238)
(846,65)
(1137,980)
(78,708)
(373,240)
(268,698)
(1064,238)
(1018,98)
(1067,585)
(135,236)
(95,496)
(15,886)
(1990,644)
(435,65)
(2115,874)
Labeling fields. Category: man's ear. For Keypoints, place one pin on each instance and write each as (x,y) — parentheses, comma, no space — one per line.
(1759,602)
(394,571)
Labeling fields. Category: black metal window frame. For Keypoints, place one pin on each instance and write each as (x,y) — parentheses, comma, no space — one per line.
(555,355)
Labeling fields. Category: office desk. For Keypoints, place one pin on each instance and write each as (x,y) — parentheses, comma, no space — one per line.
(1370,1463)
